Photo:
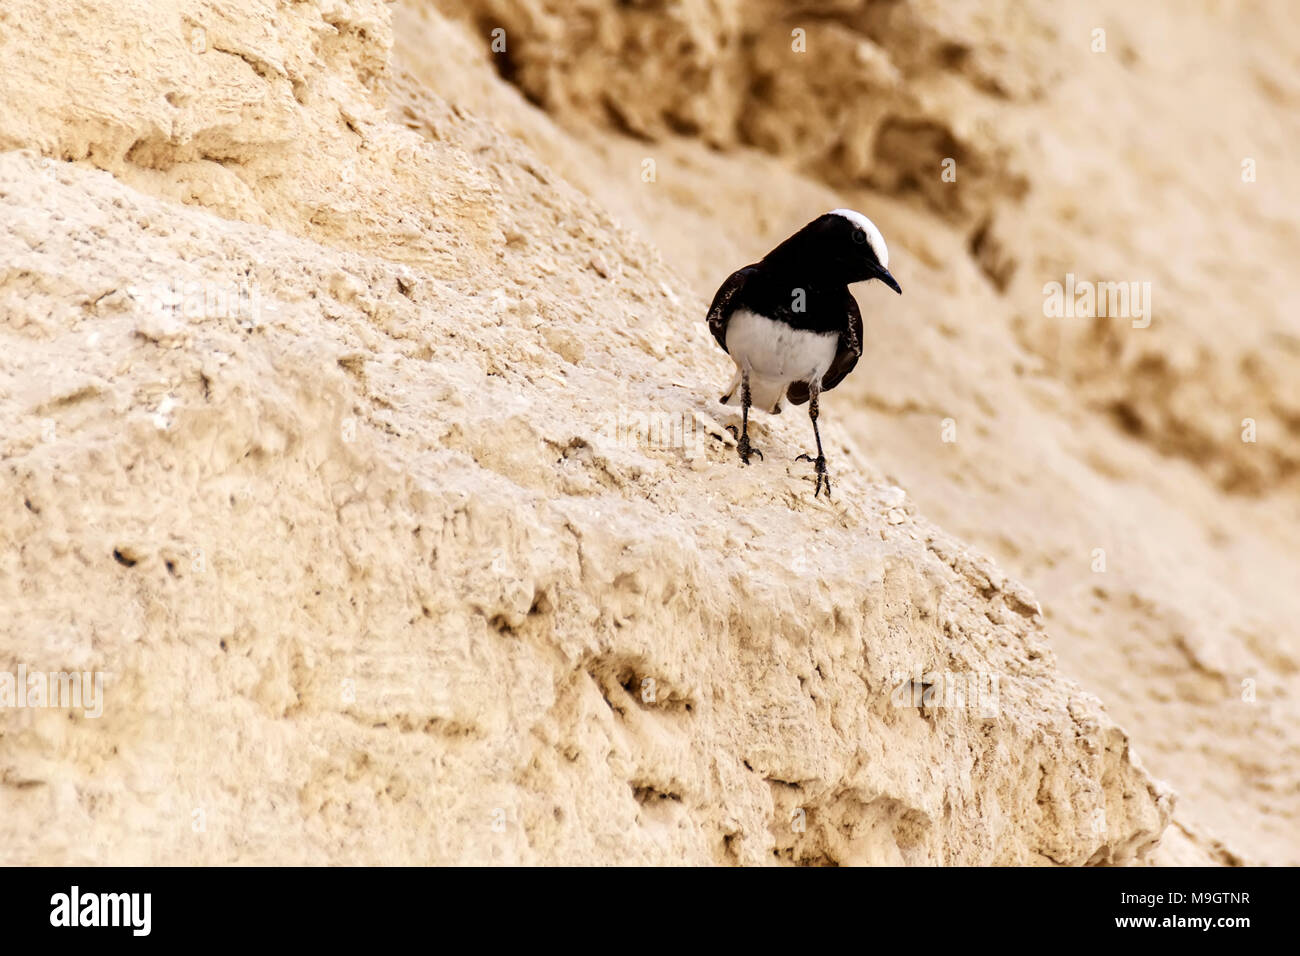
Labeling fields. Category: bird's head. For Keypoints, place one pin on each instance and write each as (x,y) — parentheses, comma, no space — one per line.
(843,245)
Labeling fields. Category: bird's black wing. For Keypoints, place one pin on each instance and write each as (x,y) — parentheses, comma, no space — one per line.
(846,356)
(850,347)
(724,303)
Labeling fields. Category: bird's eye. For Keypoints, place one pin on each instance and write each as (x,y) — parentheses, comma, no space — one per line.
(859,236)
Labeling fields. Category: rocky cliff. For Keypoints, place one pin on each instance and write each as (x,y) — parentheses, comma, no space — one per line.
(360,430)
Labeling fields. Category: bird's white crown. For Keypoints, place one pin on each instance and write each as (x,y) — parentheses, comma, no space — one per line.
(874,238)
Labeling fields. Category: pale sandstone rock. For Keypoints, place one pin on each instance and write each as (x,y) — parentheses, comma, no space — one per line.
(389,586)
(1072,435)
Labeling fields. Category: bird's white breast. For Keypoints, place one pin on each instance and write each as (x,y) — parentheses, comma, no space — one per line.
(775,351)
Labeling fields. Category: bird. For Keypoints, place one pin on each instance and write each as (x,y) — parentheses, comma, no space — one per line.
(791,325)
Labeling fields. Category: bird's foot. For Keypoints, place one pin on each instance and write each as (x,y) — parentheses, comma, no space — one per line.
(743,446)
(823,478)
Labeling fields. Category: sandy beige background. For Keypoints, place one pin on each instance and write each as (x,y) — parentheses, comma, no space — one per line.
(328,331)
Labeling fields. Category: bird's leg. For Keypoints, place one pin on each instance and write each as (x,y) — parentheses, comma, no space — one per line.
(742,444)
(820,461)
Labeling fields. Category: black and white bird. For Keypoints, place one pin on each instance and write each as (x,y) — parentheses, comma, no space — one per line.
(790,323)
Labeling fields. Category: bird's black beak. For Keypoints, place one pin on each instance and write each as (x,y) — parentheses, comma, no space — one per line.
(884,276)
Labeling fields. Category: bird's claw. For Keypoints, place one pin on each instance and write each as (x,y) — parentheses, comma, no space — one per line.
(823,478)
(743,446)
